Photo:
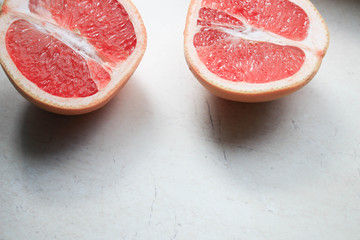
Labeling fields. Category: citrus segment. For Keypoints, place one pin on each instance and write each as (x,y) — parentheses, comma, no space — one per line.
(100,76)
(254,50)
(105,24)
(278,16)
(70,57)
(49,63)
(209,16)
(207,37)
(239,60)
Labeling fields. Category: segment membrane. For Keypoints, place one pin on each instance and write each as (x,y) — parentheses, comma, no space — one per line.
(234,58)
(281,17)
(105,24)
(209,16)
(240,60)
(66,69)
(47,62)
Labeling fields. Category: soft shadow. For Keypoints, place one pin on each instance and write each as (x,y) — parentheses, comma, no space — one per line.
(344,2)
(283,144)
(44,135)
(66,159)
(236,123)
(342,17)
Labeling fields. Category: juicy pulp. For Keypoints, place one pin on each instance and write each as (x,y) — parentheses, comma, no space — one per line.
(224,44)
(105,24)
(59,69)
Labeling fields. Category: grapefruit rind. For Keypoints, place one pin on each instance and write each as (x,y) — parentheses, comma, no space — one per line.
(73,106)
(316,44)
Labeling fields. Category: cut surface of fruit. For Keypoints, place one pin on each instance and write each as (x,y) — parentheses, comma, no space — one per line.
(49,63)
(105,24)
(254,50)
(70,57)
(237,59)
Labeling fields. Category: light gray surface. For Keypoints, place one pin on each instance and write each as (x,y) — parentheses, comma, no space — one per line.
(166,160)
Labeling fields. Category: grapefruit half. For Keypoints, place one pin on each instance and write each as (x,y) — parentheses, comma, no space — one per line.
(254,50)
(70,56)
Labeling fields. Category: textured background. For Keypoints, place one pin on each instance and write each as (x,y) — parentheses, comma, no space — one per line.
(167,160)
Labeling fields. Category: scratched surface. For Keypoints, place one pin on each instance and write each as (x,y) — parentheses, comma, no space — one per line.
(166,160)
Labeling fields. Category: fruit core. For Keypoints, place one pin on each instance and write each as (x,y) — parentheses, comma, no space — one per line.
(42,56)
(235,39)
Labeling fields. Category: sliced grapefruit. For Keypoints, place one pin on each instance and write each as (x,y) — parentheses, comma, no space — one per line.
(254,50)
(70,56)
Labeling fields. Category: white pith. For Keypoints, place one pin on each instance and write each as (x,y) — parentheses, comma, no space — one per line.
(314,47)
(119,73)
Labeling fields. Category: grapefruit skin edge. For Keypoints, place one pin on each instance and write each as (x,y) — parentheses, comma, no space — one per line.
(250,97)
(74,110)
(245,95)
(75,106)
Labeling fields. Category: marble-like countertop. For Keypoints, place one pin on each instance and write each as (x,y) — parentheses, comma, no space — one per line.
(167,160)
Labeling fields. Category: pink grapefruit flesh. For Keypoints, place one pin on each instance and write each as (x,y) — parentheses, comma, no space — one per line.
(254,50)
(83,49)
(282,17)
(236,59)
(49,63)
(105,24)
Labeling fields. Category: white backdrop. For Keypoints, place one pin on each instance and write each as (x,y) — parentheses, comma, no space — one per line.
(167,160)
